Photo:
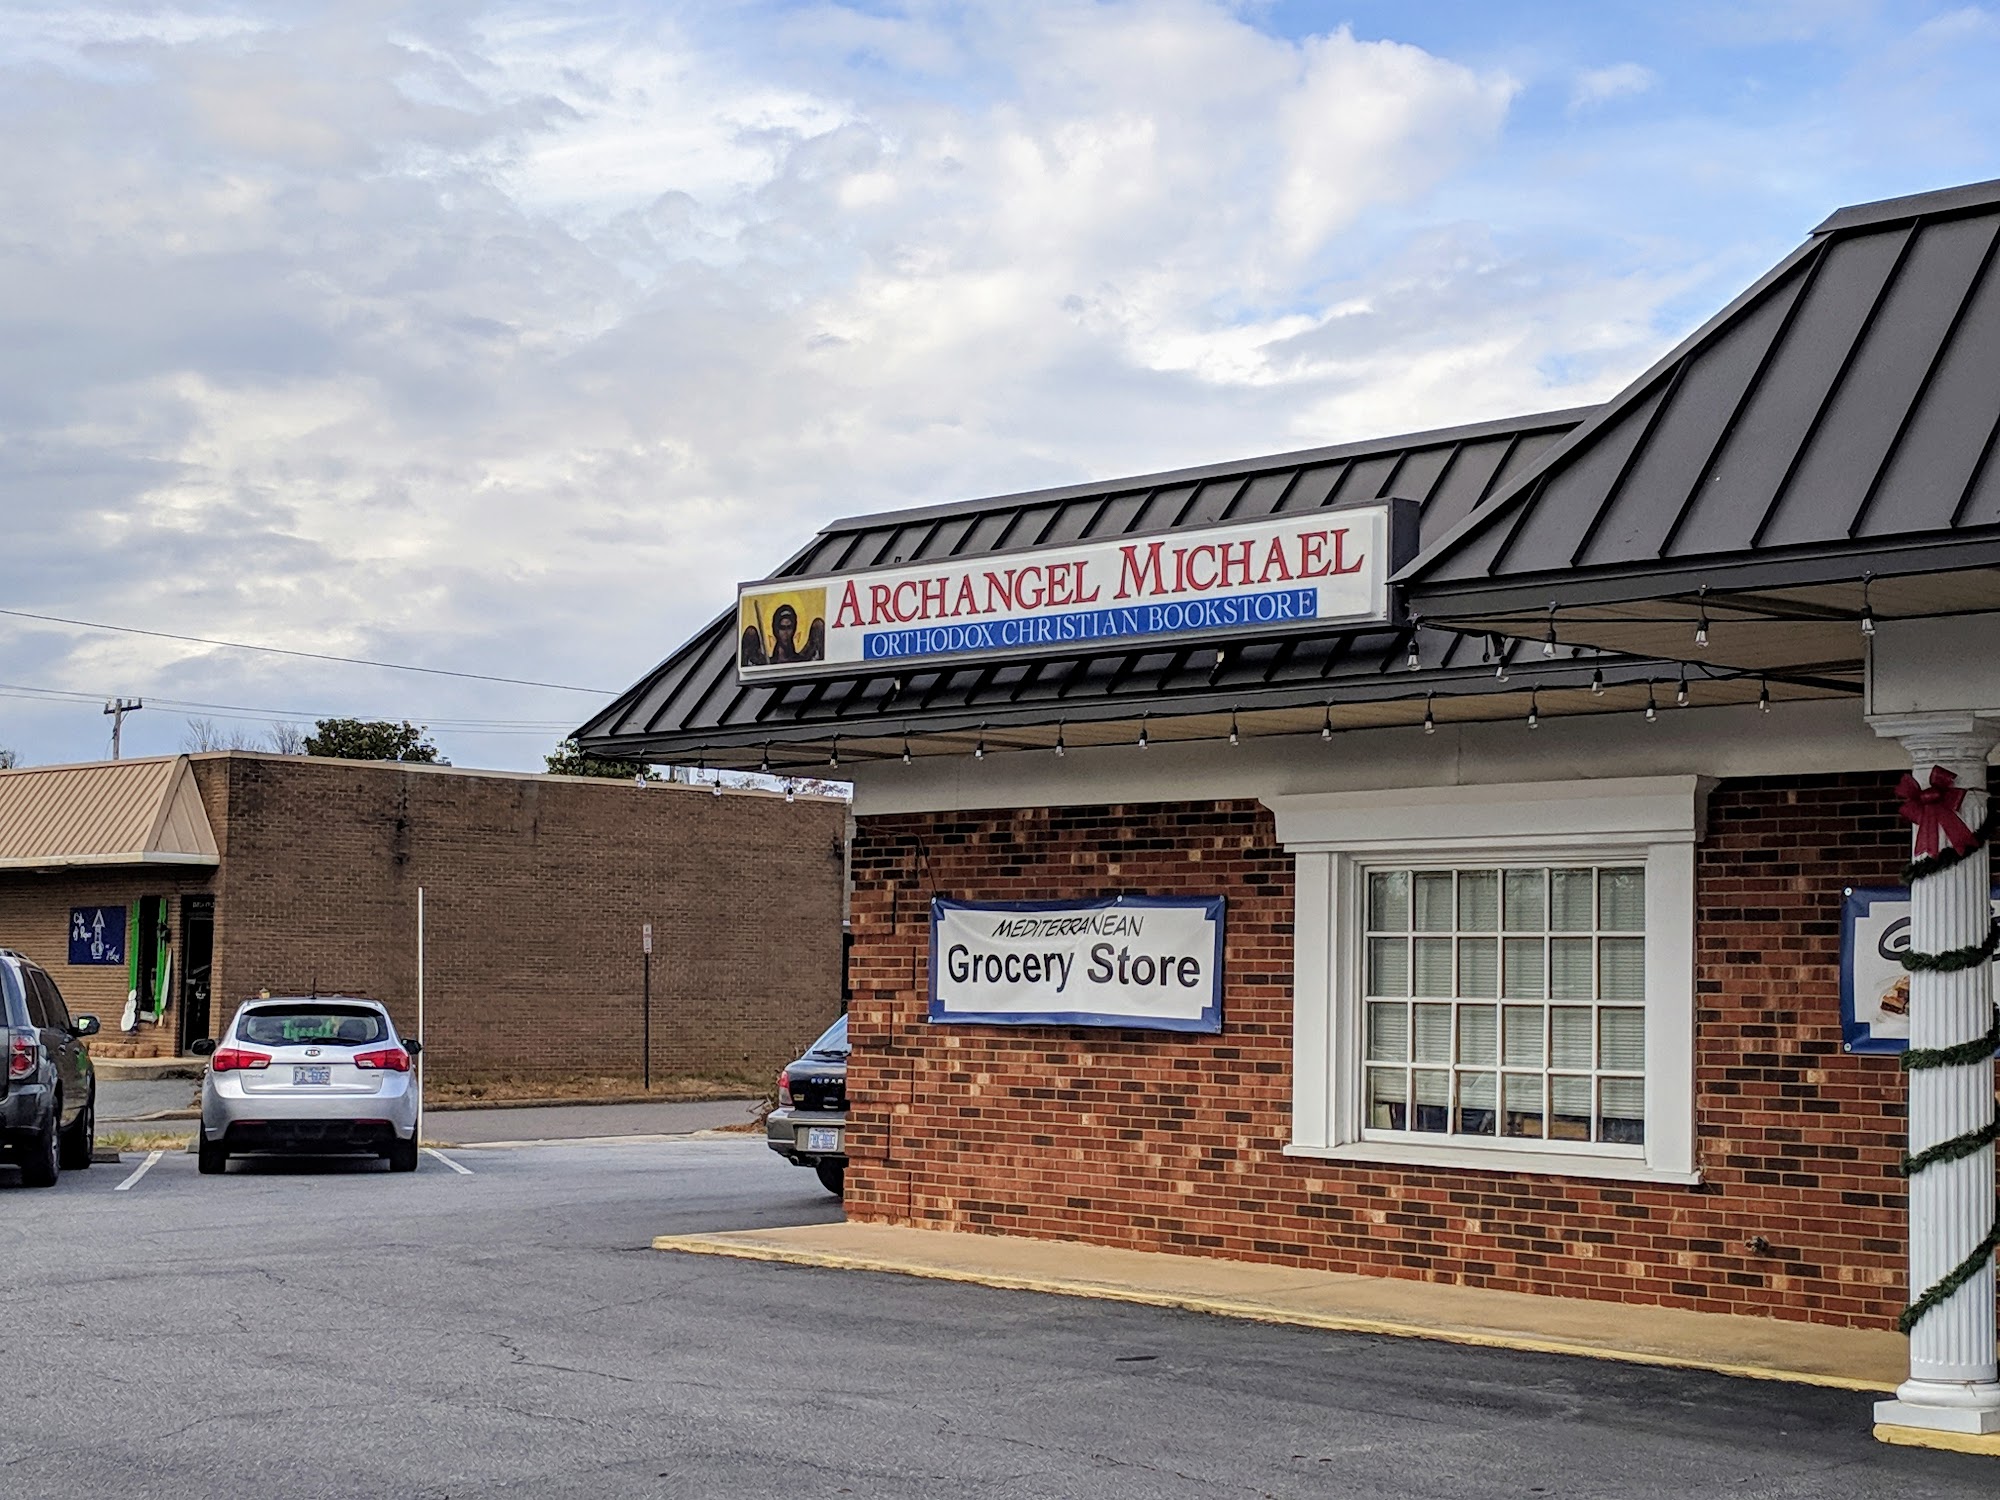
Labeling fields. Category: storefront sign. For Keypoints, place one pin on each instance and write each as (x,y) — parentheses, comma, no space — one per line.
(1874,985)
(1315,568)
(97,934)
(1149,962)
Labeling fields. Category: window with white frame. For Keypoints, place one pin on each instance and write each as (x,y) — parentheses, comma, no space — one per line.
(1506,1002)
(1497,977)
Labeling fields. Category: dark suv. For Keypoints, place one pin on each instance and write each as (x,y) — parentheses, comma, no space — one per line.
(809,1126)
(48,1096)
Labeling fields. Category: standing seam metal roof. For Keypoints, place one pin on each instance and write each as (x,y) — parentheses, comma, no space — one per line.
(693,700)
(127,812)
(1845,406)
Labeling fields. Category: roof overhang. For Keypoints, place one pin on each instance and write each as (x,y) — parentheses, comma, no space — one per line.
(54,864)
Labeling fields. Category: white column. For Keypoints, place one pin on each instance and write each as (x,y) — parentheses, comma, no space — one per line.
(1954,1384)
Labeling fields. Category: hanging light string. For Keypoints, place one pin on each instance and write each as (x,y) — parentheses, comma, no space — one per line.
(1597,687)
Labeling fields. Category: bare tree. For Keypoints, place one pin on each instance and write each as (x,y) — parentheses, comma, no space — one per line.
(206,734)
(8,759)
(286,739)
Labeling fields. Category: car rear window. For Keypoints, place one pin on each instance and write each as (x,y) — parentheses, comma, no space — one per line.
(337,1025)
(13,999)
(832,1042)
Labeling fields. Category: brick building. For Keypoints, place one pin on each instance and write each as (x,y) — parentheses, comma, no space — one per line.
(1540,785)
(200,880)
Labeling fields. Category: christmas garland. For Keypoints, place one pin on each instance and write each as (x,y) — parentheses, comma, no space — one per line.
(1944,859)
(1942,840)
(1957,959)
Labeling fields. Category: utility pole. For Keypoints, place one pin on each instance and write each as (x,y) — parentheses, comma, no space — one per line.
(118,708)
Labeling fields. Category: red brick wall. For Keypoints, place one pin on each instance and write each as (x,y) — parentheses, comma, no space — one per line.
(1173,1142)
(535,889)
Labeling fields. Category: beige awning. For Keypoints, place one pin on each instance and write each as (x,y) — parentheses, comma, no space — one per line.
(125,812)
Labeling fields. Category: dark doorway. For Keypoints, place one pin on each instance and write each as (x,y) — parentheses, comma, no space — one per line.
(197,959)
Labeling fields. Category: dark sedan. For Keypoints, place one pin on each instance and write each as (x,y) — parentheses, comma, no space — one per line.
(809,1126)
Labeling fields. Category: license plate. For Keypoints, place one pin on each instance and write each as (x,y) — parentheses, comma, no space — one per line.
(320,1073)
(823,1138)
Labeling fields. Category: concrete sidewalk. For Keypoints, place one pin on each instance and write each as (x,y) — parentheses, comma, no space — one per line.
(1760,1348)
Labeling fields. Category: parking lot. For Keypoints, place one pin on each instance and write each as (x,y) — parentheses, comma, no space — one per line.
(330,1329)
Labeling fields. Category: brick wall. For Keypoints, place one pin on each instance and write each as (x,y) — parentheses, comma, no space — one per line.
(535,889)
(1174,1142)
(34,919)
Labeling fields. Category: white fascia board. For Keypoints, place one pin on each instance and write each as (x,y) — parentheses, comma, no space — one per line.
(107,861)
(1649,809)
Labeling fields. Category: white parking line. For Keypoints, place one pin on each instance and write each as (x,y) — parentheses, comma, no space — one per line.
(144,1167)
(462,1171)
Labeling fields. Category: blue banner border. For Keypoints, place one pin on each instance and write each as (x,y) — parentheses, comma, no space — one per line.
(1855,903)
(1208,1022)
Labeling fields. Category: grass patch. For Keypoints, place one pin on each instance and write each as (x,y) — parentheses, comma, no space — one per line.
(144,1140)
(441,1092)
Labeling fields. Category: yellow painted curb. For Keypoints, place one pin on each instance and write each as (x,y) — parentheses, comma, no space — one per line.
(695,1244)
(1926,1437)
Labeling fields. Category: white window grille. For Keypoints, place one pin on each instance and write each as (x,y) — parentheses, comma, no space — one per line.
(1506,1002)
(1497,977)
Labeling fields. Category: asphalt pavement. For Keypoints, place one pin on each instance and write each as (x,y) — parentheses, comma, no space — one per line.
(166,1104)
(495,1325)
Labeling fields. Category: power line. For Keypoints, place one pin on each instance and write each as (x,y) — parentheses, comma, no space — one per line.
(352,661)
(249,711)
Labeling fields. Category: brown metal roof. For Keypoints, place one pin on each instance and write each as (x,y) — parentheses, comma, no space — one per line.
(127,812)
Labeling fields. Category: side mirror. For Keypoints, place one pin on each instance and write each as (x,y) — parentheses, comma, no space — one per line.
(84,1026)
(414,1048)
(203,1047)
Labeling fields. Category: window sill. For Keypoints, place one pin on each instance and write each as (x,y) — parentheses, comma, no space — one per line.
(1533,1163)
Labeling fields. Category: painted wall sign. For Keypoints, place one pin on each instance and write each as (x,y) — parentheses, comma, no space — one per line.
(1150,962)
(1315,568)
(1874,985)
(97,934)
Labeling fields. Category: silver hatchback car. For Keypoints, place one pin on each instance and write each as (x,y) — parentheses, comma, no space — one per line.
(323,1075)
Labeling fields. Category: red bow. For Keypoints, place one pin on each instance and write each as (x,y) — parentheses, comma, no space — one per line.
(1934,809)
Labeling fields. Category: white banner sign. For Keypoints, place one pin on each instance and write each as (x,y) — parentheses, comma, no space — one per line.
(1874,985)
(1153,963)
(1317,567)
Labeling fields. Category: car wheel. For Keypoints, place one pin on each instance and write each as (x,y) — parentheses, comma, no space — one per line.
(832,1176)
(41,1163)
(403,1156)
(79,1142)
(210,1157)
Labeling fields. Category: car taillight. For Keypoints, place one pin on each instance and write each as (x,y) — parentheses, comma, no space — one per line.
(395,1059)
(784,1088)
(229,1059)
(24,1054)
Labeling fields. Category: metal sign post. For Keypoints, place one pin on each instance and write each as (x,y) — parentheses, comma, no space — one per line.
(420,1016)
(646,1004)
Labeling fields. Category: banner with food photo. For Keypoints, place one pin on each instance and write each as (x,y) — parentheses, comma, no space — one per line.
(1874,985)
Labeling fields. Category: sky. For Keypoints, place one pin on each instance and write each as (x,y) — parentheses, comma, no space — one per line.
(505,338)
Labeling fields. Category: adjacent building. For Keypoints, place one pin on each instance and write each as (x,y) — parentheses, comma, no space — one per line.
(161,892)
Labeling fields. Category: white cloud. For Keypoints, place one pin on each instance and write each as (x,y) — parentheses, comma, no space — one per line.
(1597,86)
(508,339)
